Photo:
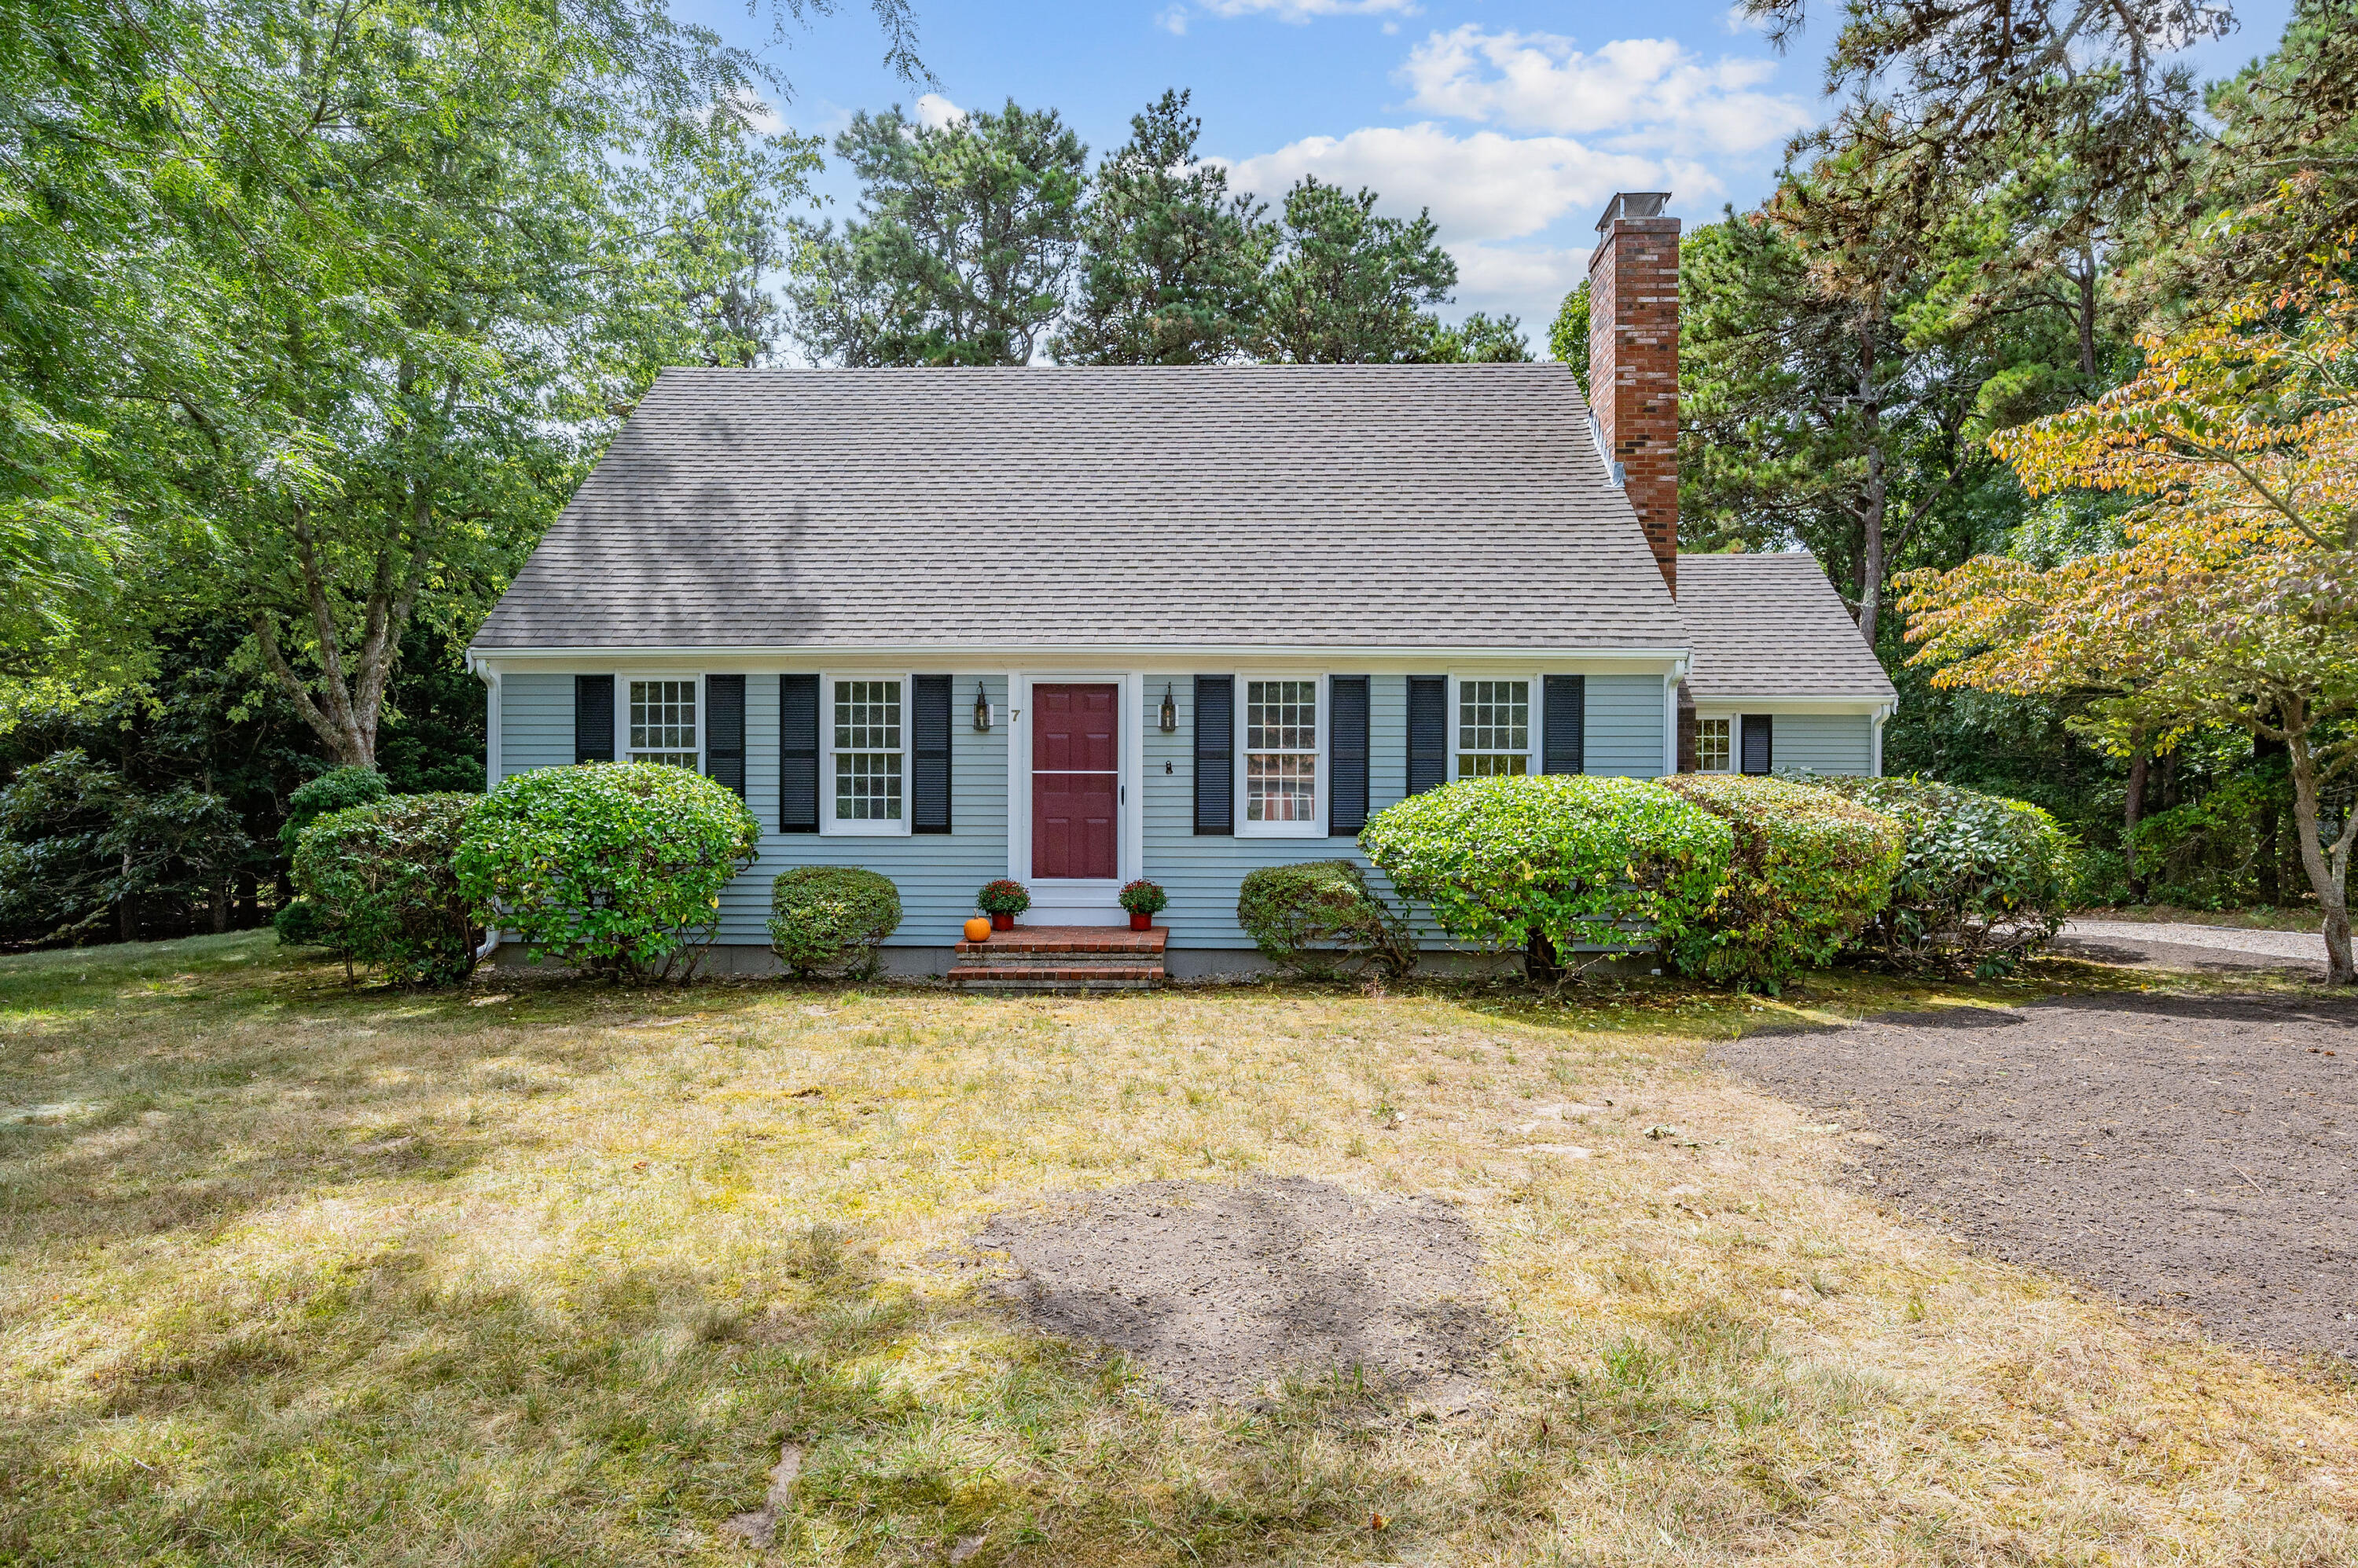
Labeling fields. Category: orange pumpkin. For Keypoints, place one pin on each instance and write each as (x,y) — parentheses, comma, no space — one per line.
(978,929)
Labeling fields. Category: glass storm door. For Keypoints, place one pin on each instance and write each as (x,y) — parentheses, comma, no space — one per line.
(1075,782)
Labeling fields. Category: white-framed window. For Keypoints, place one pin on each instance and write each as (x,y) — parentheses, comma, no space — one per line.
(864,720)
(662,720)
(1715,753)
(1284,738)
(1494,732)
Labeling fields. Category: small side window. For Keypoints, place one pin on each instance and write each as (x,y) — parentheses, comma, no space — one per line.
(1494,728)
(1713,752)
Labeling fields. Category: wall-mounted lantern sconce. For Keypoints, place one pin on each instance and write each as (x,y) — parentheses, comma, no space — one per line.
(1170,711)
(981,710)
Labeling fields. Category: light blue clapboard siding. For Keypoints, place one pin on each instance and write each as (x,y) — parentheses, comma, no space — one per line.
(937,875)
(535,722)
(1825,742)
(1624,725)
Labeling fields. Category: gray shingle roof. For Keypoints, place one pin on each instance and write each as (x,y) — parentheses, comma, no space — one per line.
(1772,625)
(1332,506)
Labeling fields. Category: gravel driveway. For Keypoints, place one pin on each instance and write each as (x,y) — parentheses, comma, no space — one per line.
(2199,1153)
(2216,948)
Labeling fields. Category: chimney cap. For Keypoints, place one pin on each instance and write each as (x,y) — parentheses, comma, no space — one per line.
(1633,204)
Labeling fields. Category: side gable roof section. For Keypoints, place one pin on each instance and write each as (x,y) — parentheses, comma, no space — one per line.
(1294,507)
(1768,626)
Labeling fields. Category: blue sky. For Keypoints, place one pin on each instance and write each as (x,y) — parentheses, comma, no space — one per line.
(1511,122)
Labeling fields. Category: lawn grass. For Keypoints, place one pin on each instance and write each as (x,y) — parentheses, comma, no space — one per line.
(542,1273)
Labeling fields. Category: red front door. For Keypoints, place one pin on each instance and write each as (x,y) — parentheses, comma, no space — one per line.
(1075,782)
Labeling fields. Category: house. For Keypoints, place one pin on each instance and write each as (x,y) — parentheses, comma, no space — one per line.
(1078,625)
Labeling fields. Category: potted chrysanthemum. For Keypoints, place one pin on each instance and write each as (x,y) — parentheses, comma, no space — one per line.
(1003,901)
(1144,899)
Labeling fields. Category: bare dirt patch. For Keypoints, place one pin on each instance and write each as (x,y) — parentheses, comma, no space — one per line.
(1218,1290)
(2188,1152)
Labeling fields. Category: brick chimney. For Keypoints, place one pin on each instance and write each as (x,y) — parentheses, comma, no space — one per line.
(1633,360)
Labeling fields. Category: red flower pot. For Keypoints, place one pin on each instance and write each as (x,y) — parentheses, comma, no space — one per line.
(1003,922)
(1141,922)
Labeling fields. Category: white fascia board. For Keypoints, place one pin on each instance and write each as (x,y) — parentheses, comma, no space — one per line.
(1718,706)
(1156,659)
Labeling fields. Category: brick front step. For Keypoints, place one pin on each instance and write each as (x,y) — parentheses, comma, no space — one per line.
(1034,985)
(1069,939)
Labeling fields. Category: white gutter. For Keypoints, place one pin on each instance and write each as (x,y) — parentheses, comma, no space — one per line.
(992,656)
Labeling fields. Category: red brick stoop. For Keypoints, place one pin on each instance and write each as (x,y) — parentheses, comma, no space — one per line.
(1061,958)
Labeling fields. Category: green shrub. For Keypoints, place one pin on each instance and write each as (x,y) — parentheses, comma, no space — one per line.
(616,867)
(379,881)
(1003,896)
(823,917)
(1321,918)
(1553,862)
(298,925)
(1983,883)
(1809,868)
(337,789)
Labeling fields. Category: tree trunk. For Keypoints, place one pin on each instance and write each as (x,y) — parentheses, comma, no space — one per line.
(2087,282)
(2132,813)
(126,907)
(2328,869)
(220,903)
(1876,499)
(1540,964)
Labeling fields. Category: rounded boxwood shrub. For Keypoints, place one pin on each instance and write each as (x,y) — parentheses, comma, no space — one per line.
(1552,863)
(828,917)
(1321,918)
(1985,882)
(298,922)
(378,879)
(616,867)
(1808,870)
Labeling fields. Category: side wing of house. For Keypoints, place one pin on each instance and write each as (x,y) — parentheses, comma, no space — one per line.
(1780,680)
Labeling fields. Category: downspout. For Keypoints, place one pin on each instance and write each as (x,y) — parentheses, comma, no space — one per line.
(1880,714)
(490,679)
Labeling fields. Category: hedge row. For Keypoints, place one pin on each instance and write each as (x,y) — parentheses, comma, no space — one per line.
(619,869)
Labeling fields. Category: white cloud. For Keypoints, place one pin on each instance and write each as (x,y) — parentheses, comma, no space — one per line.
(1649,93)
(1527,284)
(1172,21)
(933,112)
(1300,11)
(1484,185)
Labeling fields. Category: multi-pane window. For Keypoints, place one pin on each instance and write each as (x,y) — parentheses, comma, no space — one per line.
(1712,748)
(1494,728)
(868,751)
(1282,751)
(663,722)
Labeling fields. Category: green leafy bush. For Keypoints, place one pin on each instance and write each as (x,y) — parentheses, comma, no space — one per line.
(378,879)
(1809,870)
(823,917)
(337,789)
(299,923)
(1985,882)
(1321,918)
(1553,862)
(617,867)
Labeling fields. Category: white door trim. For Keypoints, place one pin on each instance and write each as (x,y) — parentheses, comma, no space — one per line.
(1063,901)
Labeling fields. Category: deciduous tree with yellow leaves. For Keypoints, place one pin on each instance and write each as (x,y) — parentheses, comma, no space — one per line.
(2233,597)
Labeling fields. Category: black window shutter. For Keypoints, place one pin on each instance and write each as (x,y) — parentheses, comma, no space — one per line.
(798,753)
(593,718)
(1428,733)
(1759,742)
(1215,768)
(724,732)
(1347,741)
(929,754)
(1565,721)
